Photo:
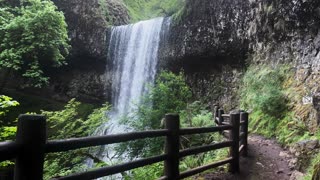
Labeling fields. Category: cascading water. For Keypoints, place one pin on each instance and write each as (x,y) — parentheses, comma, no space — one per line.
(133,50)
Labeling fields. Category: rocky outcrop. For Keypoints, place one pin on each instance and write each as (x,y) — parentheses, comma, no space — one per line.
(287,32)
(85,77)
(87,22)
(303,151)
(208,40)
(230,34)
(209,32)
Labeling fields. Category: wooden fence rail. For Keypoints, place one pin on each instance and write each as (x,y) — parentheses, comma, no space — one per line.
(31,145)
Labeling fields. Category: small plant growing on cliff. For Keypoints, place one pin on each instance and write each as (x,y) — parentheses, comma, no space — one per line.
(32,38)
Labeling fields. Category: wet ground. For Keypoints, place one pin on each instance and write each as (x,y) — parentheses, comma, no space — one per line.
(266,161)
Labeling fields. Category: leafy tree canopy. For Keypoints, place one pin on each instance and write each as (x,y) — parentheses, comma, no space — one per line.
(33,36)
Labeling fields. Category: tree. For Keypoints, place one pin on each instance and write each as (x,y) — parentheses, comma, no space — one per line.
(33,37)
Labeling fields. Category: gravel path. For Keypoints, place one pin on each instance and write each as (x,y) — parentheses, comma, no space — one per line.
(266,161)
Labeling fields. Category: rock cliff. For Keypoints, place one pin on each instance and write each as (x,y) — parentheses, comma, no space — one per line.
(209,41)
(85,77)
(213,41)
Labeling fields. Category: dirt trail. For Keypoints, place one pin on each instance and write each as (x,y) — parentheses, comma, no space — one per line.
(266,161)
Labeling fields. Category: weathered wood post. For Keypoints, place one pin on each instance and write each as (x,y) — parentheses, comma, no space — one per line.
(244,117)
(234,137)
(220,112)
(31,135)
(171,165)
(215,113)
(220,118)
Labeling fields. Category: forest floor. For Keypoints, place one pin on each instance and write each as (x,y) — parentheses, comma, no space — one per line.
(266,161)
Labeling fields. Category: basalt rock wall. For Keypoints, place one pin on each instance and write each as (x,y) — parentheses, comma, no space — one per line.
(85,77)
(214,42)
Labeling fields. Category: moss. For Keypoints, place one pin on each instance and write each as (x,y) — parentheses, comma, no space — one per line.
(290,126)
(105,12)
(313,171)
(147,9)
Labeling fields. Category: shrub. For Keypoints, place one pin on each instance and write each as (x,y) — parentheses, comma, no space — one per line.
(169,94)
(262,90)
(33,36)
(75,120)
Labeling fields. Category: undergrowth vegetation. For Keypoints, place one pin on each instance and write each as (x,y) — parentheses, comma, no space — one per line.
(265,92)
(274,100)
(170,94)
(75,120)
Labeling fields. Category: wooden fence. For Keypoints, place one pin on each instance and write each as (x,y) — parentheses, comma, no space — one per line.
(31,145)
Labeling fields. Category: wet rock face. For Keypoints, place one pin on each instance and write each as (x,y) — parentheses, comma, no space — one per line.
(86,82)
(219,34)
(287,32)
(316,105)
(86,78)
(217,86)
(87,22)
(303,152)
(209,32)
(209,43)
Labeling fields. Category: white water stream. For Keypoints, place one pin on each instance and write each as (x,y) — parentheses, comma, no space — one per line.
(133,50)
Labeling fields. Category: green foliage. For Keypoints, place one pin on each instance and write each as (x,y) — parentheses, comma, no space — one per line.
(197,115)
(105,11)
(272,96)
(71,122)
(147,9)
(150,172)
(170,94)
(7,131)
(6,102)
(313,171)
(75,120)
(262,90)
(33,37)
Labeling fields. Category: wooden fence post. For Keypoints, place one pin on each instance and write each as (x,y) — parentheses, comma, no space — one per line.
(234,137)
(220,112)
(31,135)
(171,165)
(215,112)
(244,116)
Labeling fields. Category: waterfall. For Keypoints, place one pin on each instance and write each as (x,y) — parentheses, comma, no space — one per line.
(133,50)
